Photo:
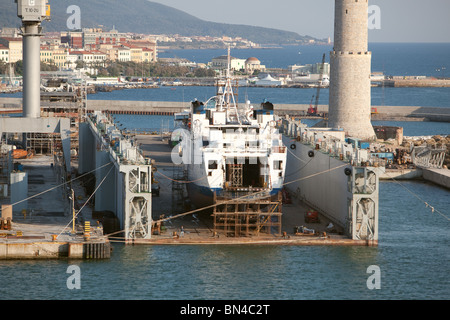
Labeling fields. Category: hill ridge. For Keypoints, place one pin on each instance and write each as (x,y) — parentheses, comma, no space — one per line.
(146,17)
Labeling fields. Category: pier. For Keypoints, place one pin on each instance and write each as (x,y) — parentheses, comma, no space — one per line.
(438,176)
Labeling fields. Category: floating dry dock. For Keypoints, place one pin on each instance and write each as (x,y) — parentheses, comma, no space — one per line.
(180,225)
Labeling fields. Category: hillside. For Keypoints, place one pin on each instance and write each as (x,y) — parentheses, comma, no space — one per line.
(142,16)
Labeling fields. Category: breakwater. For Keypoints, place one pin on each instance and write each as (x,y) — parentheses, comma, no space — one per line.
(392,113)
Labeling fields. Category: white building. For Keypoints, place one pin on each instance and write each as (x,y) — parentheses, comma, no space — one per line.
(253,64)
(268,81)
(221,63)
(4,53)
(123,54)
(99,57)
(83,56)
(71,61)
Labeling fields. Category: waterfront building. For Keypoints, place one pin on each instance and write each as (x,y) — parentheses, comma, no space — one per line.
(253,64)
(99,58)
(15,48)
(74,39)
(122,54)
(59,56)
(83,56)
(46,54)
(310,68)
(148,55)
(221,63)
(4,53)
(149,49)
(10,32)
(135,53)
(96,36)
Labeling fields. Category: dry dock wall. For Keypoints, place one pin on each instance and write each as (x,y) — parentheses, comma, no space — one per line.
(344,193)
(308,181)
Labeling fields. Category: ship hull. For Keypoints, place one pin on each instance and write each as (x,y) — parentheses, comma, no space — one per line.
(200,196)
(203,197)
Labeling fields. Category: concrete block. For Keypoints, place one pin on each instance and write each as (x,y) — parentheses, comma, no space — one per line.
(75,250)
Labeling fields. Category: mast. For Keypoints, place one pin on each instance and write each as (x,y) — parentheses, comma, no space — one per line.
(229,95)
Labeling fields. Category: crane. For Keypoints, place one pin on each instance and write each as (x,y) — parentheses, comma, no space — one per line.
(313,110)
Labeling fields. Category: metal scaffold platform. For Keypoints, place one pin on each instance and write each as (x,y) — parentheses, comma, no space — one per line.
(247,216)
(178,190)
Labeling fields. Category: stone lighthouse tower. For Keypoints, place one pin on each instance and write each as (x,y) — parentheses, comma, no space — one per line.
(350,61)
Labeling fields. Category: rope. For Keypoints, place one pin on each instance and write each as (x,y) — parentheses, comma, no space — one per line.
(60,185)
(180,181)
(433,209)
(288,149)
(103,180)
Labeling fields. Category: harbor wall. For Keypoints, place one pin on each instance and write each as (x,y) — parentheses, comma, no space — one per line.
(440,177)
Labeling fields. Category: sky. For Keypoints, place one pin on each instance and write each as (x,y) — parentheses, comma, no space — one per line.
(399,20)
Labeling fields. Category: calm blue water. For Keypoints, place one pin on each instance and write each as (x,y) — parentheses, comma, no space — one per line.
(392,59)
(413,253)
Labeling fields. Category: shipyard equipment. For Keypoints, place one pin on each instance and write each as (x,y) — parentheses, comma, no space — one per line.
(32,13)
(313,110)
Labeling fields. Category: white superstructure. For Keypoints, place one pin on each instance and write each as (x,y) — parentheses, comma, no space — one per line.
(232,148)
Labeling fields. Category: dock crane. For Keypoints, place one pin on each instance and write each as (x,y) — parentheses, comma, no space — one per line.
(312,111)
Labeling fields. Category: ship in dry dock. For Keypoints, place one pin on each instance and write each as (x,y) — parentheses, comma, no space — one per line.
(231,151)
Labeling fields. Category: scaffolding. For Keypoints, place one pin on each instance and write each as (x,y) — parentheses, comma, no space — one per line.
(60,105)
(178,189)
(236,215)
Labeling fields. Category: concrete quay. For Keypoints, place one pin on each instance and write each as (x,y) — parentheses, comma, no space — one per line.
(427,83)
(440,177)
